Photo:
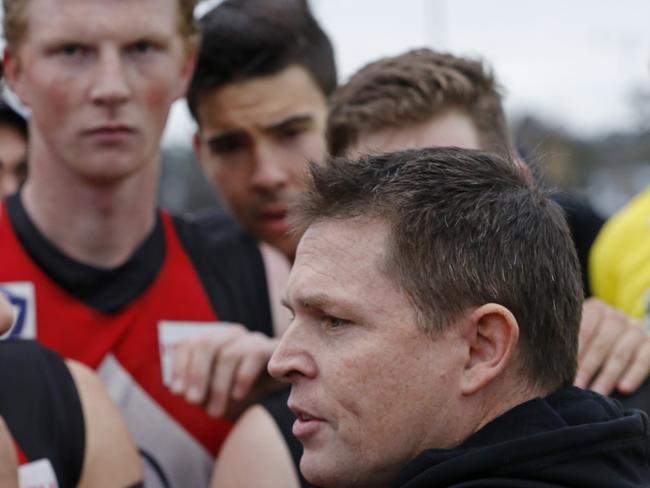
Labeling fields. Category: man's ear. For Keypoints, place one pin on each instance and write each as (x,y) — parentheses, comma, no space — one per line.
(187,70)
(492,333)
(12,73)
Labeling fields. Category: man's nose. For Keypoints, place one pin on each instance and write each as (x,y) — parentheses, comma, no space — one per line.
(270,170)
(111,86)
(291,359)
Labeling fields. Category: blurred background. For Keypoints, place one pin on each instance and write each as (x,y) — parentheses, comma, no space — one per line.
(576,78)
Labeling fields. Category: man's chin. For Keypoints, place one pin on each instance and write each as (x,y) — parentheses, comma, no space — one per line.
(315,472)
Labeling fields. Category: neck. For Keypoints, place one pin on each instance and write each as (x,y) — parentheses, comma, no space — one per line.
(504,396)
(99,224)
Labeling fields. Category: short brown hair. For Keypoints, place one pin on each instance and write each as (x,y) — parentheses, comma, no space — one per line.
(15,24)
(466,228)
(413,88)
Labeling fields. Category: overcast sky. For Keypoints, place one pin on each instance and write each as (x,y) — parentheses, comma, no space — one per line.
(574,63)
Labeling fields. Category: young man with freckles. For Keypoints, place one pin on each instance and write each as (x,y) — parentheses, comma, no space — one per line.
(264,74)
(97,272)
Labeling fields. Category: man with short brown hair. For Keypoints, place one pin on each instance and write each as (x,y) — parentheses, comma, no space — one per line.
(422,354)
(413,88)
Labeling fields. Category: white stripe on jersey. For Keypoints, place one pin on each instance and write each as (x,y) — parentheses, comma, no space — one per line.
(184,461)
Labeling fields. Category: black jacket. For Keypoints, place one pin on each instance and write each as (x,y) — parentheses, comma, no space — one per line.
(571,438)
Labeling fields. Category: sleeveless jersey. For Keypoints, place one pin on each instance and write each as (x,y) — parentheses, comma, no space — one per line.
(41,407)
(184,274)
(620,259)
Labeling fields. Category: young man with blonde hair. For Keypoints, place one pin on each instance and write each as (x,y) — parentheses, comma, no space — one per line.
(97,272)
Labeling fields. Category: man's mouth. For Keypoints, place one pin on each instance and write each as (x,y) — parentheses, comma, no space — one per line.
(306,424)
(275,220)
(110,132)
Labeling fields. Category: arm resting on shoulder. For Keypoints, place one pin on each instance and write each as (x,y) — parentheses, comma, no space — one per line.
(8,461)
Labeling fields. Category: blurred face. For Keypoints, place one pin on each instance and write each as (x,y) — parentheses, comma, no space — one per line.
(254,140)
(450,128)
(370,389)
(99,77)
(13,160)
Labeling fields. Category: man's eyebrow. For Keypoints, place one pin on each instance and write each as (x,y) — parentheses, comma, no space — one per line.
(300,120)
(320,301)
(224,136)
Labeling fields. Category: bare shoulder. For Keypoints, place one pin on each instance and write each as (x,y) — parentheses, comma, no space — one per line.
(8,462)
(255,436)
(85,379)
(110,458)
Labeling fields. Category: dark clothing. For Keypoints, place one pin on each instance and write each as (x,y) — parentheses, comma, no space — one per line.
(571,438)
(584,224)
(640,399)
(41,406)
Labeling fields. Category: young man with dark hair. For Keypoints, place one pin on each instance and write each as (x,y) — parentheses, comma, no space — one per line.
(259,94)
(422,354)
(97,272)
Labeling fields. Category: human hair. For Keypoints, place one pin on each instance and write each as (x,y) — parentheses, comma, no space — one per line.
(244,39)
(413,88)
(14,21)
(466,228)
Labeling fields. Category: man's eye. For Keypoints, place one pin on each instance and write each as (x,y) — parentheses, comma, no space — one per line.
(227,145)
(141,47)
(291,133)
(71,50)
(332,322)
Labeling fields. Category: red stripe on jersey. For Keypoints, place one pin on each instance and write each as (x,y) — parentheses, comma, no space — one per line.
(20,455)
(77,331)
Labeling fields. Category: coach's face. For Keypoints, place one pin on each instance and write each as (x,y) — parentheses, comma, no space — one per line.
(370,389)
